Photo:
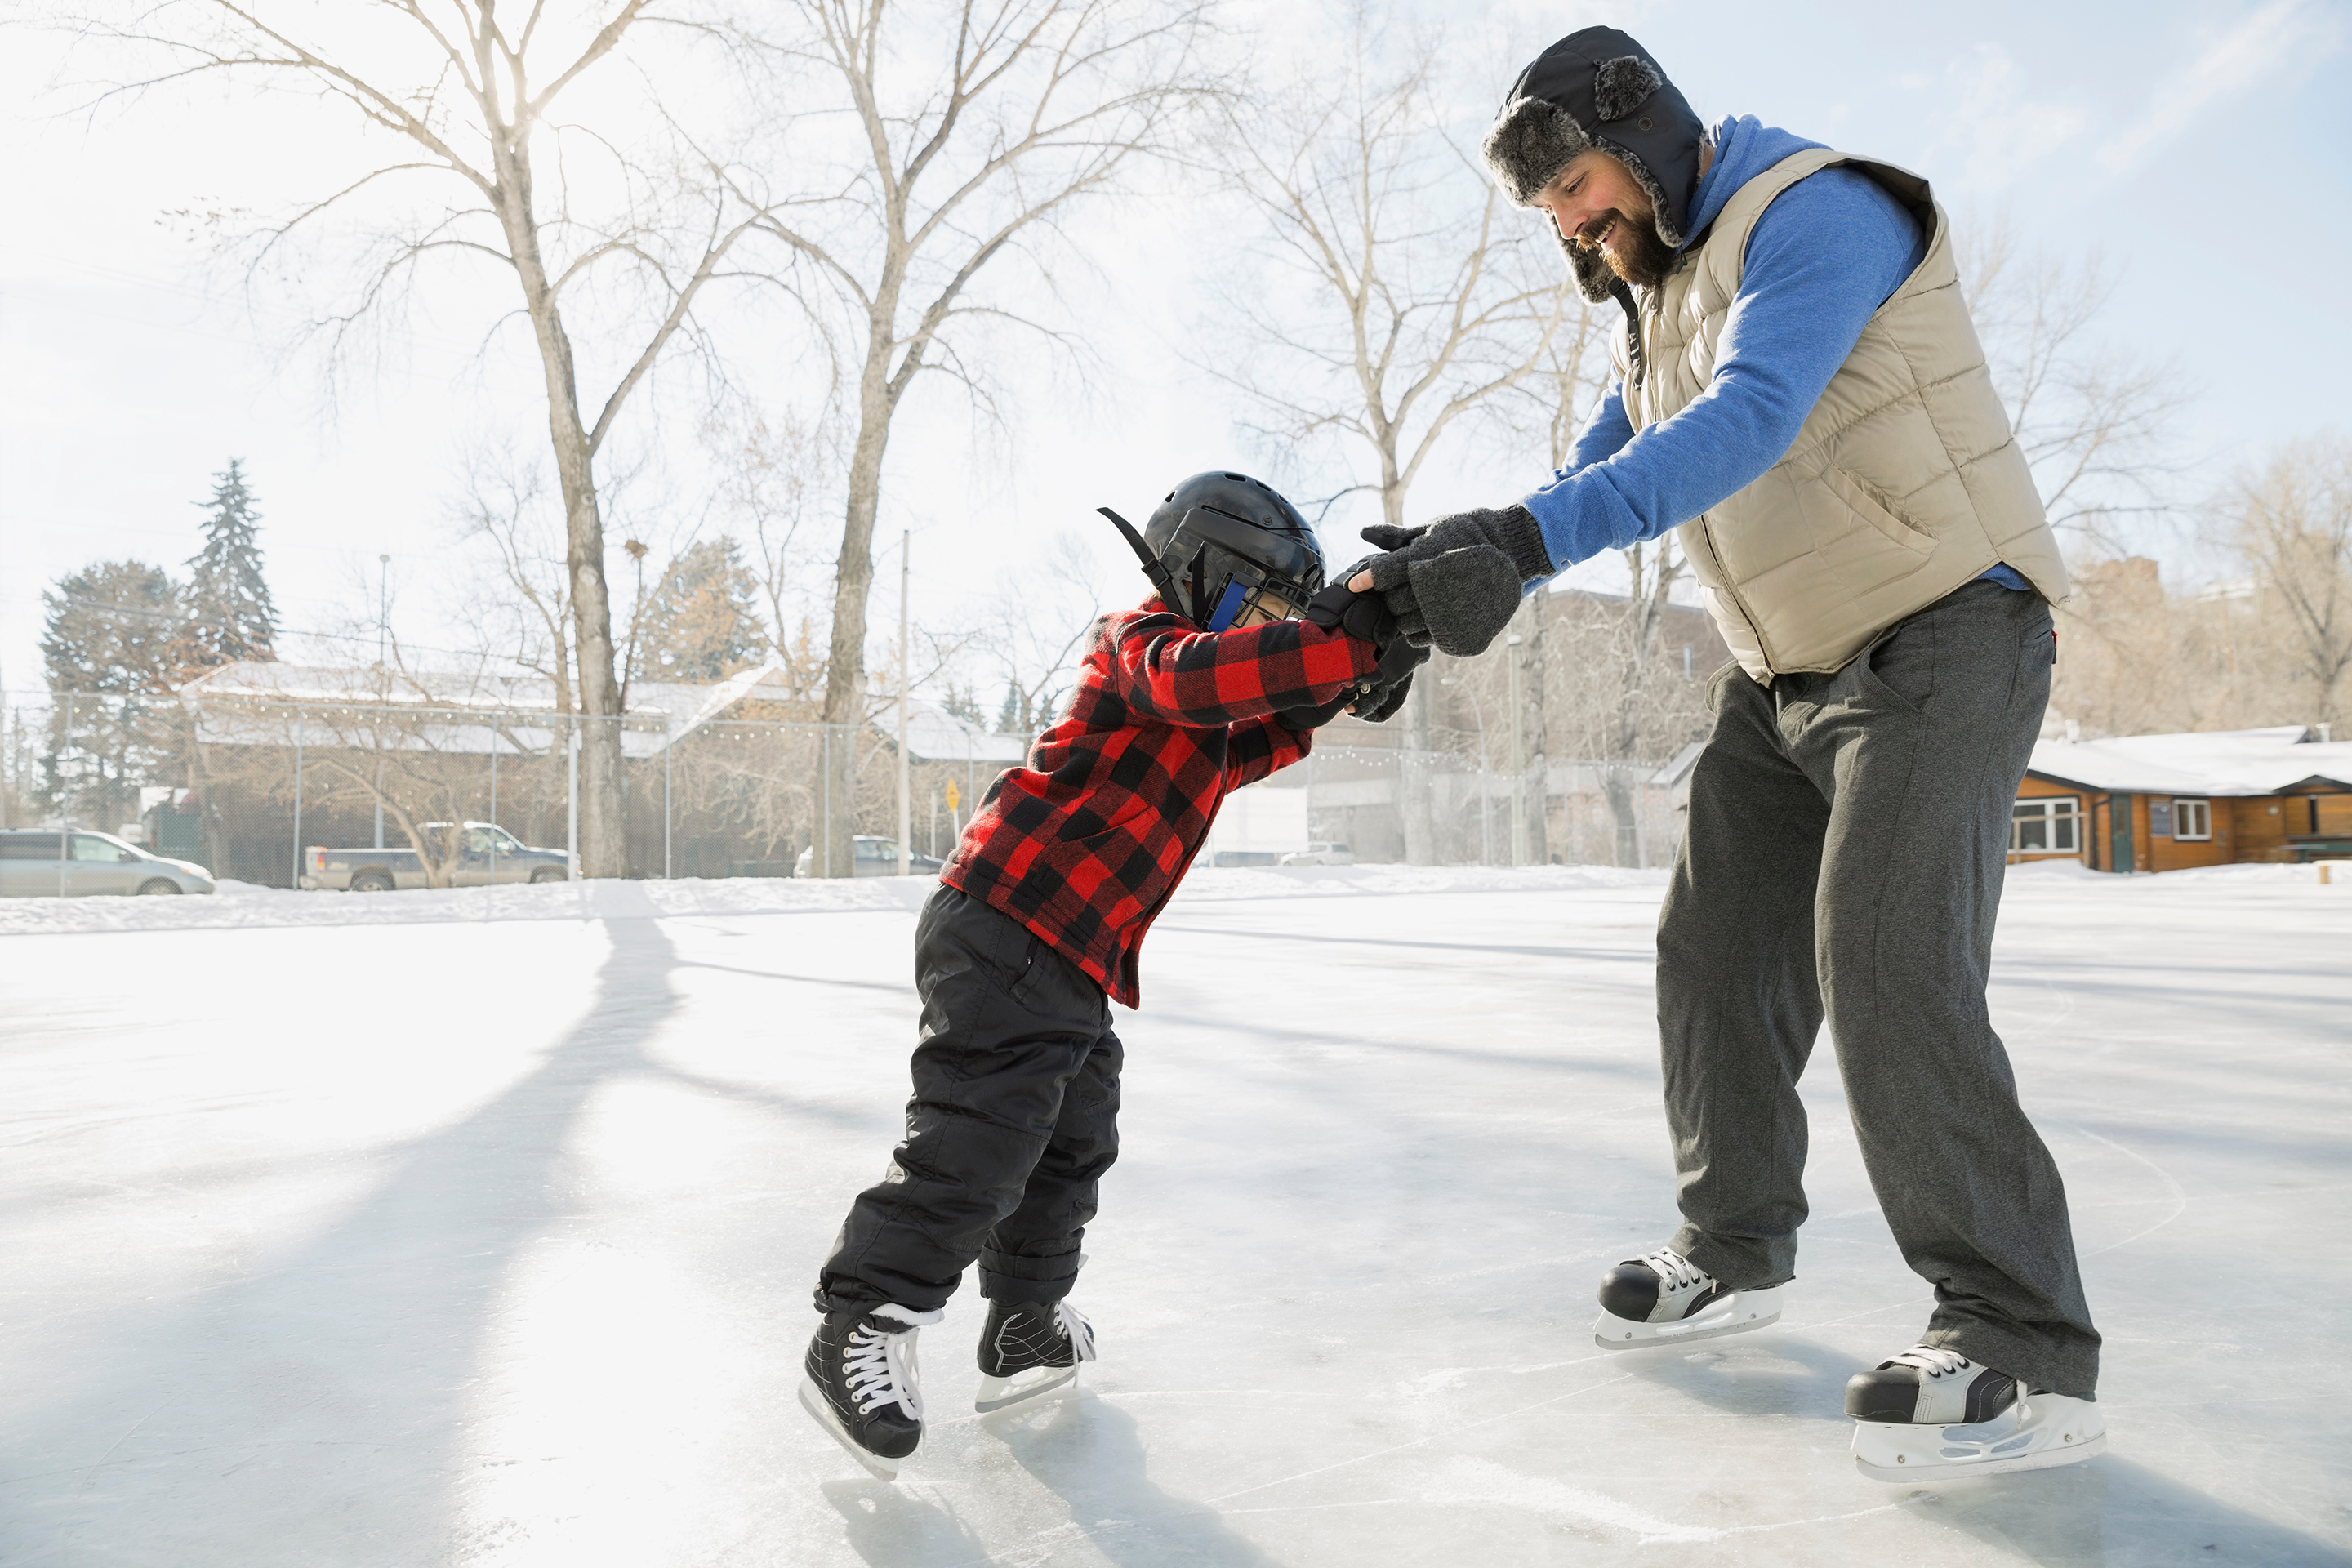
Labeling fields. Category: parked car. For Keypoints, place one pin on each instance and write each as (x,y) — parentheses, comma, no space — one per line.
(488,853)
(37,862)
(1321,855)
(1236,859)
(873,857)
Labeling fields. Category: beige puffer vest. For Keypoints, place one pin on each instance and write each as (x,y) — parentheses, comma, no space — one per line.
(1904,483)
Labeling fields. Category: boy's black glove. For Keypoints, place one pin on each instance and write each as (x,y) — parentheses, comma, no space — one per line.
(1366,617)
(1456,582)
(1305,718)
(1380,704)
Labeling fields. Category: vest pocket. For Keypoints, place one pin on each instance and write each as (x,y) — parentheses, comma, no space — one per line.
(1865,503)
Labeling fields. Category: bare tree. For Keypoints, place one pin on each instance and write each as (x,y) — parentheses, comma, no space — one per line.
(466,95)
(1401,302)
(775,474)
(525,613)
(1037,633)
(1569,376)
(972,131)
(2295,527)
(2090,420)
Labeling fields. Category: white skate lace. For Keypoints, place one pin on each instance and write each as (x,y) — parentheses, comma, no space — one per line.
(1075,1329)
(1930,1360)
(1673,1270)
(880,1370)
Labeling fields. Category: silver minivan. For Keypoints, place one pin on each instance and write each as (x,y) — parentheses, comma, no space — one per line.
(38,863)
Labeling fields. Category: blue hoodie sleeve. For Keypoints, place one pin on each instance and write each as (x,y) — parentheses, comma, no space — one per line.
(1825,255)
(1605,434)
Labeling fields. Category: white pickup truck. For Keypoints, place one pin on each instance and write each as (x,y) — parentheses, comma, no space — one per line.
(485,853)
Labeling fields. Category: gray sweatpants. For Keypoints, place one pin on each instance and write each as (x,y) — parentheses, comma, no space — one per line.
(1844,858)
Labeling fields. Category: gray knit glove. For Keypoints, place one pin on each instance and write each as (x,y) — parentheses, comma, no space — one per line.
(1455,583)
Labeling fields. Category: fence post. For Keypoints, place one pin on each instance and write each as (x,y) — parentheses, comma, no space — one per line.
(825,793)
(1518,755)
(298,799)
(494,803)
(65,808)
(668,746)
(1641,822)
(571,801)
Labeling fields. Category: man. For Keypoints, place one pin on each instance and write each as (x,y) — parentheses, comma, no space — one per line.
(1802,392)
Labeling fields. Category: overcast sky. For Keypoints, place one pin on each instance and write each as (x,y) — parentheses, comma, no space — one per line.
(2195,146)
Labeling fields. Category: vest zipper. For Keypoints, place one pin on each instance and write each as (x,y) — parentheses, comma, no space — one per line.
(1624,294)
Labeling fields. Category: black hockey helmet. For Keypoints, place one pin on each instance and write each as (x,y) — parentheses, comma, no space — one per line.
(1225,550)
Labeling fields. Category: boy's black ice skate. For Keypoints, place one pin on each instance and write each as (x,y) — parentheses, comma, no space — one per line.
(862,1384)
(1030,1349)
(1934,1415)
(1662,1298)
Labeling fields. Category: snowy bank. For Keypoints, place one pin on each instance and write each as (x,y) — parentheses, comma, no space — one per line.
(243,904)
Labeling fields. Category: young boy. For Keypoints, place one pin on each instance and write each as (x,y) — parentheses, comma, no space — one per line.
(1211,684)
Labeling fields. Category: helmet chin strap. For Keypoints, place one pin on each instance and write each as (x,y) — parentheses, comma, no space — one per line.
(1160,580)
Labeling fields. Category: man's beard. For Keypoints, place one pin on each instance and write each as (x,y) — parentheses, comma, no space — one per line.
(1645,258)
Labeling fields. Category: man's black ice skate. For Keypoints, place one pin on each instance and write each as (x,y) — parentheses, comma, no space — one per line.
(1661,1297)
(862,1384)
(1030,1349)
(1934,1415)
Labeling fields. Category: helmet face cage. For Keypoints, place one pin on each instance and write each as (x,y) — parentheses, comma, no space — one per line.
(1239,552)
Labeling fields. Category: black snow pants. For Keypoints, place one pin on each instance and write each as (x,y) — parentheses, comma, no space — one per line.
(1843,860)
(1012,1122)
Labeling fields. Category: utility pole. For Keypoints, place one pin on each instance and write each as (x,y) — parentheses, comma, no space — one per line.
(1485,774)
(1518,758)
(383,687)
(572,802)
(906,823)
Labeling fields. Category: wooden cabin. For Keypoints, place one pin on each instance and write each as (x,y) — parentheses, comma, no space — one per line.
(2169,803)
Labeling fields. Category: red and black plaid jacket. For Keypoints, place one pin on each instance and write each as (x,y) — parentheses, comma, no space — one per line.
(1085,842)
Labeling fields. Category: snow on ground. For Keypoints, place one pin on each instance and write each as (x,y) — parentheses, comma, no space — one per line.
(379,1231)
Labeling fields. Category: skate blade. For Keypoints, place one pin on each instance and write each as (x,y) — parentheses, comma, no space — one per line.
(812,1400)
(2054,1431)
(1746,1310)
(998,1393)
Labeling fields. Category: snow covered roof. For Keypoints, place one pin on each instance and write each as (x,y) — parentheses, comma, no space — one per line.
(936,735)
(492,712)
(2214,762)
(1674,772)
(661,713)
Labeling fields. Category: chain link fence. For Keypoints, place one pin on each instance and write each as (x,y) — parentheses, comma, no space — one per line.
(1391,802)
(292,793)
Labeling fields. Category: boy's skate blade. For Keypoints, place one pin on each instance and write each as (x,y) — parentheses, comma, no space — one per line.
(1735,1314)
(2038,1432)
(812,1401)
(997,1393)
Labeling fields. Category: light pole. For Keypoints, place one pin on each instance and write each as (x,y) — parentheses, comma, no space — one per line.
(1486,774)
(383,687)
(905,827)
(1518,759)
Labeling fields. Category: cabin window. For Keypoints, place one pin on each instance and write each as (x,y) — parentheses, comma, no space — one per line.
(2192,819)
(2046,824)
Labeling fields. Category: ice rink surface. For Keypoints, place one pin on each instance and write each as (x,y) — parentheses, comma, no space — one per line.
(373,1232)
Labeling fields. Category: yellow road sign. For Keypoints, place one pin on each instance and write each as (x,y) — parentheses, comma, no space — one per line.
(952,795)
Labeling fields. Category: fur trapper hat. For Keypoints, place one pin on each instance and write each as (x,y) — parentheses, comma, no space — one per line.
(1598,89)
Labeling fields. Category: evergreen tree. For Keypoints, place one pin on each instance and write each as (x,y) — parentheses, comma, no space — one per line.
(703,621)
(110,640)
(1008,718)
(230,615)
(962,704)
